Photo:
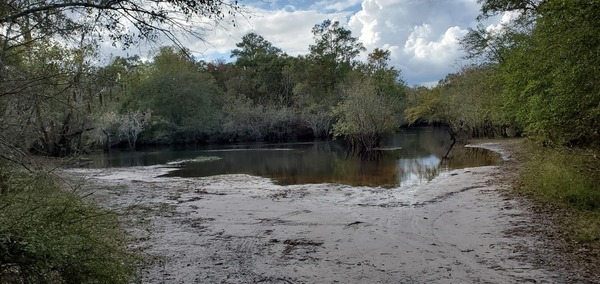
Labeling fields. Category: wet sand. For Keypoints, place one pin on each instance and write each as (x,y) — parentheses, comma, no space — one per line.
(457,228)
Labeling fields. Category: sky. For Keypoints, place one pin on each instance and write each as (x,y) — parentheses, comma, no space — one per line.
(422,35)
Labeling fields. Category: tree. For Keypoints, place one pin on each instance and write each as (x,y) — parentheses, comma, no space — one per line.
(123,21)
(245,120)
(334,43)
(131,125)
(317,78)
(364,116)
(550,80)
(106,127)
(47,93)
(494,7)
(113,81)
(490,46)
(312,94)
(260,68)
(493,45)
(183,99)
(333,53)
(465,102)
(45,47)
(388,81)
(253,49)
(545,60)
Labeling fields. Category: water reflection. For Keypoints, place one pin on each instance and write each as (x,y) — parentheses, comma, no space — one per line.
(415,158)
(414,171)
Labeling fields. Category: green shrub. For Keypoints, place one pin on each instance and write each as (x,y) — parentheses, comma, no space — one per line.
(568,179)
(563,178)
(49,235)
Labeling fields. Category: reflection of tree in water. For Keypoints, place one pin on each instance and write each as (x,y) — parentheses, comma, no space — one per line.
(463,157)
(328,147)
(367,156)
(416,170)
(354,169)
(421,141)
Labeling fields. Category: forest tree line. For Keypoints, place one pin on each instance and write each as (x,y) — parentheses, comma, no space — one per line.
(536,76)
(263,95)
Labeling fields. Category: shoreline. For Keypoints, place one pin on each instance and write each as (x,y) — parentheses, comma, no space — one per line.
(245,229)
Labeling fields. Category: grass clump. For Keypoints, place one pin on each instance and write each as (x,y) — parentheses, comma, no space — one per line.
(49,235)
(570,180)
(204,159)
(199,159)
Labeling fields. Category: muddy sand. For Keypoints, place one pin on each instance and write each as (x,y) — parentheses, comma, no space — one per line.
(458,228)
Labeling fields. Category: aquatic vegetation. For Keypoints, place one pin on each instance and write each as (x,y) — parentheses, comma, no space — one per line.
(199,159)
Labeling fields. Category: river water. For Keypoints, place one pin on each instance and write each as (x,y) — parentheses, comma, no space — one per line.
(412,156)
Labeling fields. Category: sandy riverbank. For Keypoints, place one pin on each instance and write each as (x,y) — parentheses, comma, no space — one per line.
(244,229)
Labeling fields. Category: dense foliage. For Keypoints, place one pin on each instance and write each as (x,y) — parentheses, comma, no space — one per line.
(48,235)
(467,102)
(55,100)
(537,75)
(264,94)
(551,78)
(123,22)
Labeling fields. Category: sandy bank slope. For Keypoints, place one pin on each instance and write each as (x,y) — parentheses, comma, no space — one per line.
(244,229)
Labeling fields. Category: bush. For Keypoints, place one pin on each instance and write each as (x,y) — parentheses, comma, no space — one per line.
(246,121)
(364,116)
(564,178)
(570,180)
(49,235)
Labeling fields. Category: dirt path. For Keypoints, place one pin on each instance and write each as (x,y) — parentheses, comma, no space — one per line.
(243,229)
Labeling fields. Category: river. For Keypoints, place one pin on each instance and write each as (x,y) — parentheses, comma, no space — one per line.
(410,157)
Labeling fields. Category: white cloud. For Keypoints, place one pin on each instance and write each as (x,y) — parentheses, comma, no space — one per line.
(421,35)
(430,58)
(505,19)
(336,5)
(420,45)
(288,30)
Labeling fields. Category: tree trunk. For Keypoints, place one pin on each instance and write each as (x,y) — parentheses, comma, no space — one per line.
(453,137)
